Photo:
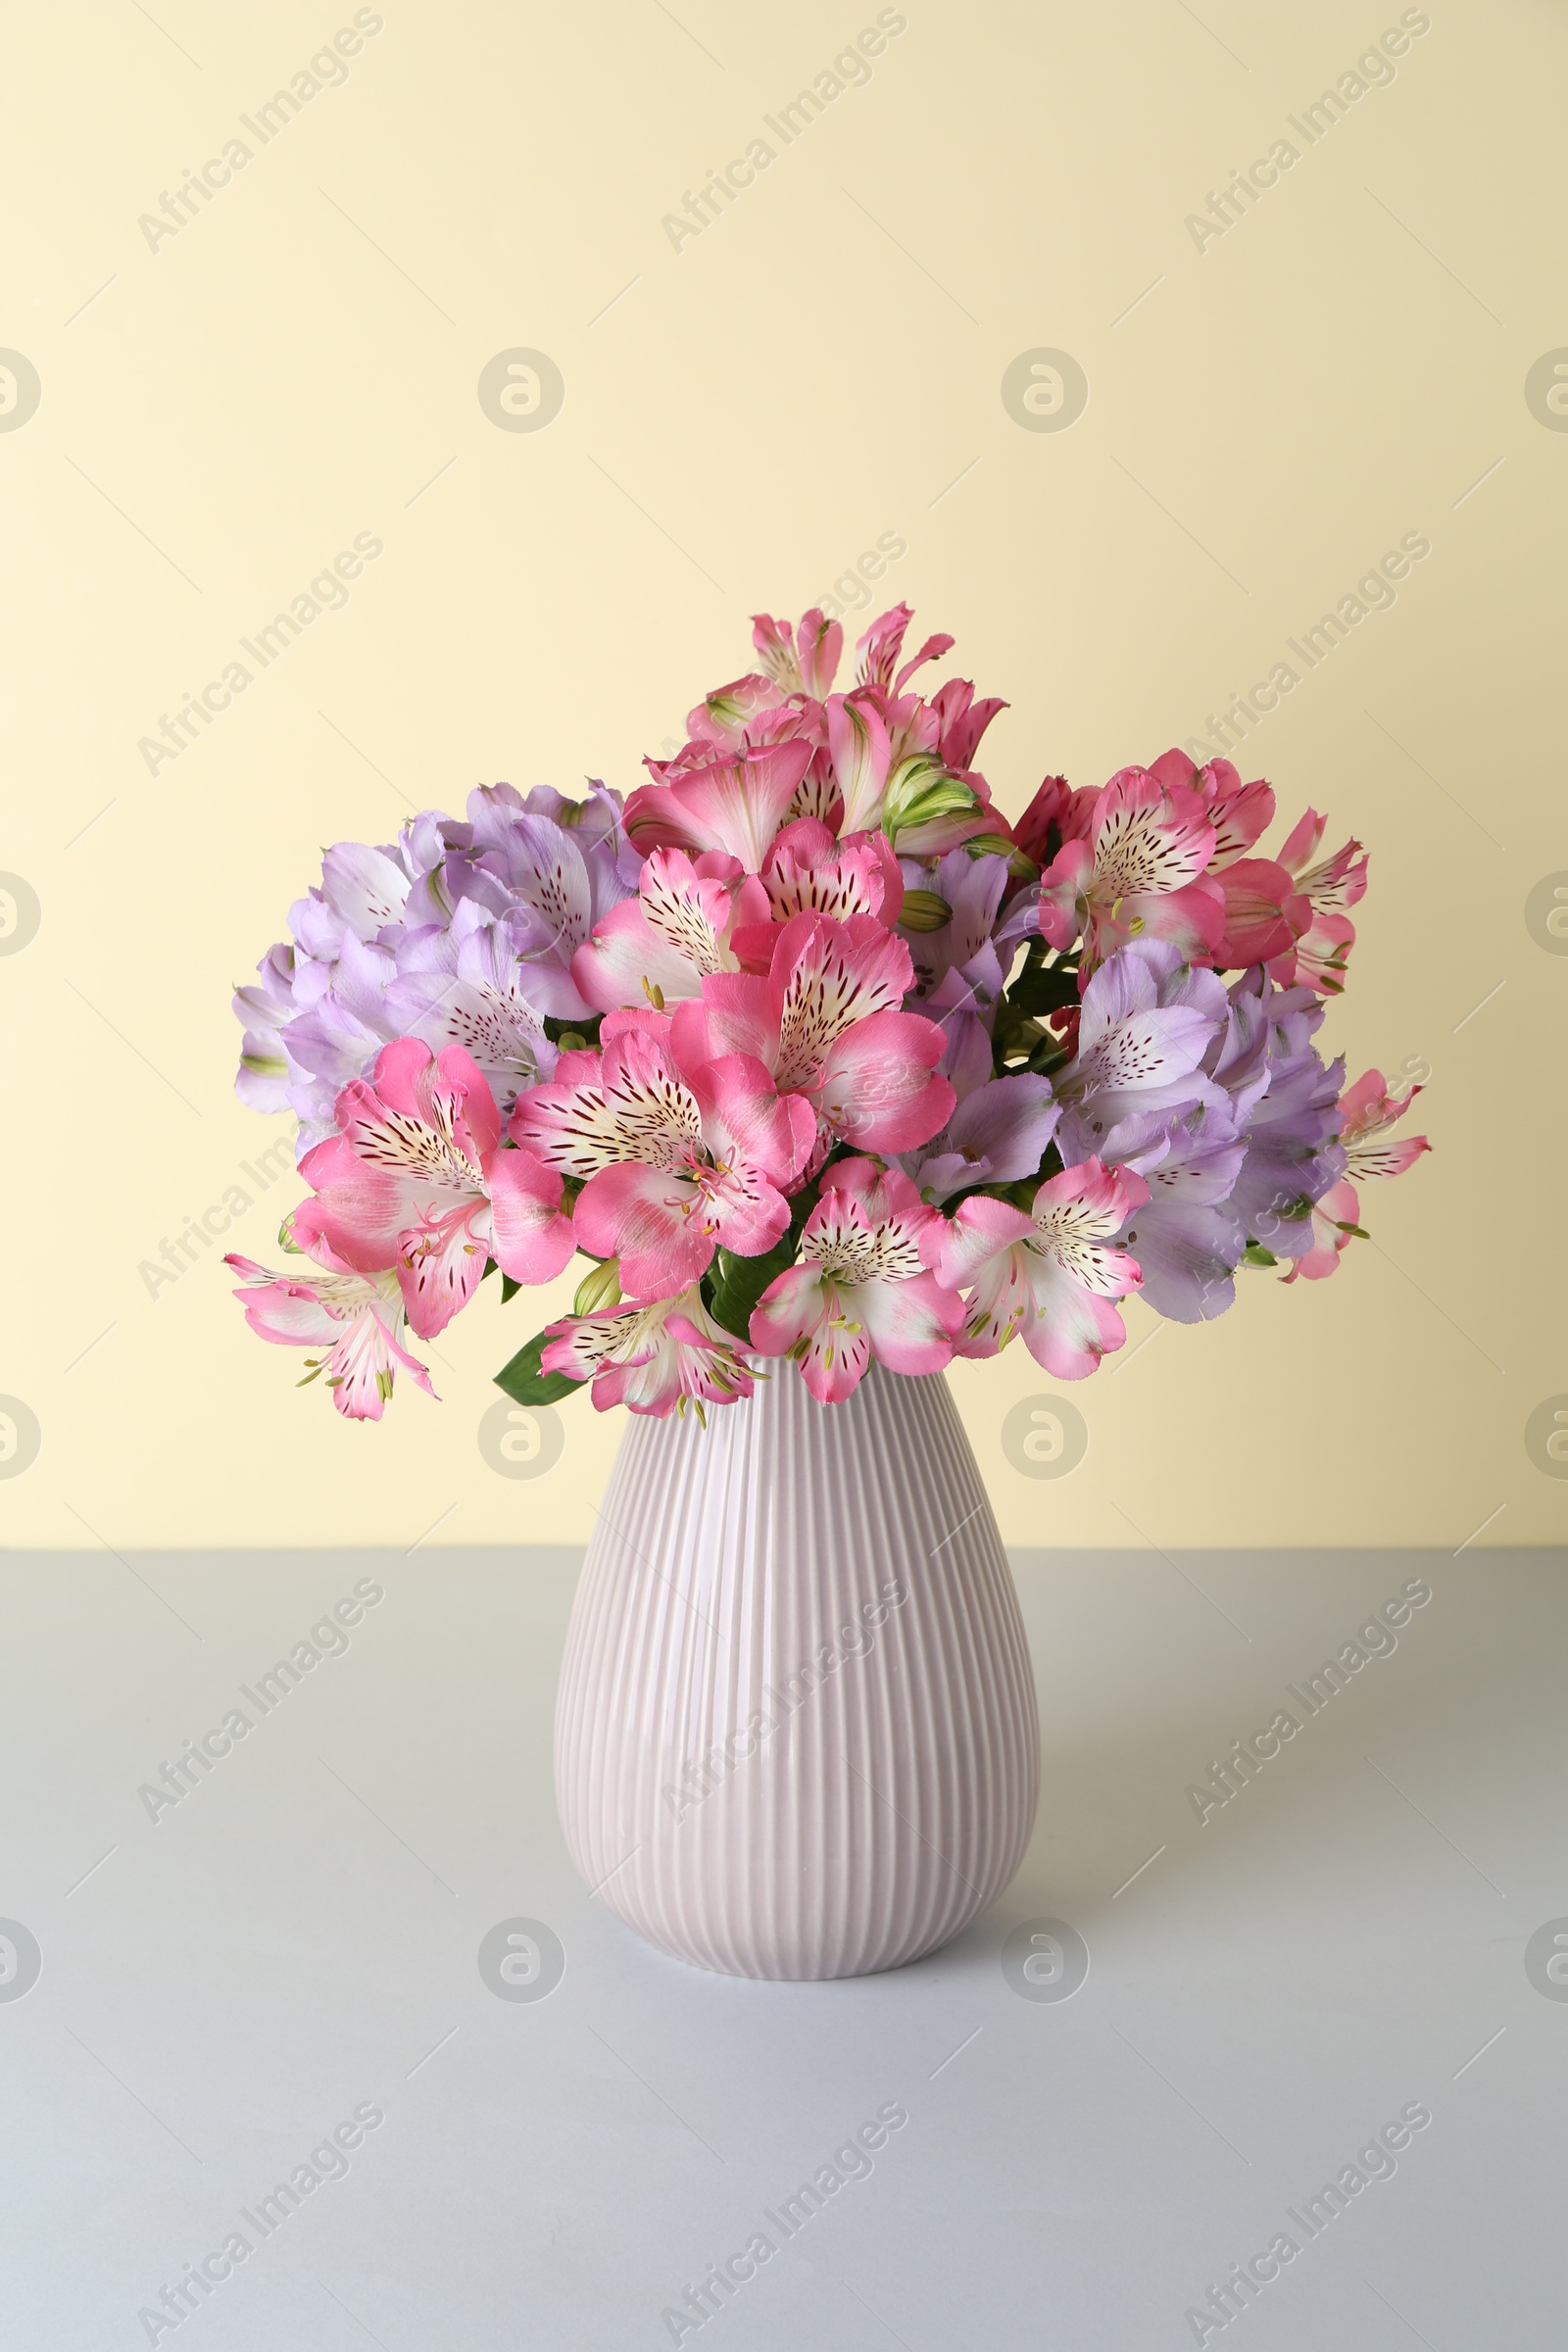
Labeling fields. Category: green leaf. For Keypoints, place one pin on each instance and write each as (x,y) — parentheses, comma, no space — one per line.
(1254,1255)
(508,1290)
(526,1384)
(1044,988)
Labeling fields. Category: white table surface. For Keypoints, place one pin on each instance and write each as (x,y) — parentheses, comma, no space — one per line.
(297,1938)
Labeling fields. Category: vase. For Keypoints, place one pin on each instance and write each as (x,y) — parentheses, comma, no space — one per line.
(796,1734)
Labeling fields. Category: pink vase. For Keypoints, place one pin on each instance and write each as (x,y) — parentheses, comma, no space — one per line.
(796,1734)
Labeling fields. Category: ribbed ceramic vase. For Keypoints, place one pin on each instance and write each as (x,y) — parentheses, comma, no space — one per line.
(797,1735)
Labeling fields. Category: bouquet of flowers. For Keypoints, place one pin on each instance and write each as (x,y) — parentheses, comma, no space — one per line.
(811,1054)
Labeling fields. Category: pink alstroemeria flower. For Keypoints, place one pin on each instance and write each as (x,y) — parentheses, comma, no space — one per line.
(827,1023)
(355,1319)
(415,1179)
(1367,1110)
(1331,887)
(1265,915)
(1139,874)
(809,871)
(658,945)
(724,716)
(735,802)
(1240,814)
(1050,1272)
(877,652)
(865,1285)
(803,660)
(651,1358)
(677,1157)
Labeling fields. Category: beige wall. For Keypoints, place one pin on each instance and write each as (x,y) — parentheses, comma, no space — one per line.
(300,361)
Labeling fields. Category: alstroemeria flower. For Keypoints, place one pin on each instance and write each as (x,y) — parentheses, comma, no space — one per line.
(997,1135)
(677,928)
(649,1358)
(963,1006)
(877,652)
(1050,1272)
(735,802)
(355,1319)
(468,986)
(810,871)
(1285,1101)
(415,1179)
(677,1157)
(802,660)
(970,888)
(482,914)
(1240,814)
(1264,914)
(962,721)
(724,716)
(1140,873)
(1055,814)
(863,1286)
(1187,1238)
(1147,1023)
(828,1023)
(1331,886)
(1367,1110)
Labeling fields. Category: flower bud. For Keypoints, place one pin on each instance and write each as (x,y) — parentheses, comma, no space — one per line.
(599,1290)
(924,910)
(1021,866)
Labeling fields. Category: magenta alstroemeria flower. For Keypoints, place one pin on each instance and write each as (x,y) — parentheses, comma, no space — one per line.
(677,1158)
(658,945)
(1050,1272)
(415,1179)
(828,1023)
(1140,873)
(863,1286)
(651,1358)
(355,1319)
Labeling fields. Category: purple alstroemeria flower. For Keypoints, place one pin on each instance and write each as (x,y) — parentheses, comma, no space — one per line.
(1147,1023)
(460,932)
(1291,1125)
(972,888)
(1186,1236)
(997,1135)
(963,1006)
(474,985)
